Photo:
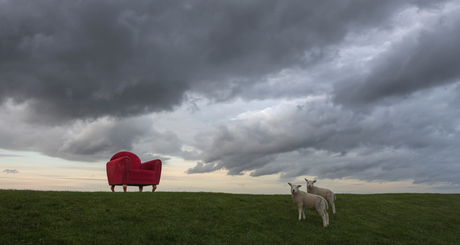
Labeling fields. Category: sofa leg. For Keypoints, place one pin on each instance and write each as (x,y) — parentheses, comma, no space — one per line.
(112,188)
(125,186)
(141,188)
(154,188)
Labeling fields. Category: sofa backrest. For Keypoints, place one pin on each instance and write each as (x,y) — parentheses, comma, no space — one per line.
(134,161)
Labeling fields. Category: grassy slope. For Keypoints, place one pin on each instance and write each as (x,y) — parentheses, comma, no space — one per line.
(40,217)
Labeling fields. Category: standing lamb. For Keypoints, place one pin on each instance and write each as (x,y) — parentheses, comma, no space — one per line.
(310,201)
(326,193)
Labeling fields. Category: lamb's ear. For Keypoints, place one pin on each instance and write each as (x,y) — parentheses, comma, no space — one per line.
(306,179)
(290,184)
(314,181)
(299,186)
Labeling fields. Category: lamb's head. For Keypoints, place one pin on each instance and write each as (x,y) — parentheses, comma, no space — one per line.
(294,188)
(310,183)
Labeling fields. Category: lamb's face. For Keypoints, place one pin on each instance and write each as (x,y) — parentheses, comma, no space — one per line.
(294,188)
(310,183)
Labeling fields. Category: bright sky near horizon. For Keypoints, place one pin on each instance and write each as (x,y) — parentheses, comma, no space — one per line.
(44,173)
(232,96)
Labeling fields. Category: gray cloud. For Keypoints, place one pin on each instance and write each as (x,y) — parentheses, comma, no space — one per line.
(91,141)
(424,61)
(317,137)
(10,171)
(368,89)
(105,136)
(74,60)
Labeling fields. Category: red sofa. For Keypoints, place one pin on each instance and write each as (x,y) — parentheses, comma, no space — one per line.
(125,168)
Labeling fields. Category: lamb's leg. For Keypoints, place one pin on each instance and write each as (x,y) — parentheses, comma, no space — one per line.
(324,215)
(332,201)
(300,212)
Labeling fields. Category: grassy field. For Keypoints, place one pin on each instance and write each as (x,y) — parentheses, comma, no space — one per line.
(42,217)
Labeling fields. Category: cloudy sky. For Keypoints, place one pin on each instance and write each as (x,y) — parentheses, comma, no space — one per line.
(233,96)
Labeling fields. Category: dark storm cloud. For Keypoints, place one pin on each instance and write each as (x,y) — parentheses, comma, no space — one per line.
(77,77)
(88,59)
(79,59)
(432,59)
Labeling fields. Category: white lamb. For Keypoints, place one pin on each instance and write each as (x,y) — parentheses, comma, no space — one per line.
(326,193)
(310,201)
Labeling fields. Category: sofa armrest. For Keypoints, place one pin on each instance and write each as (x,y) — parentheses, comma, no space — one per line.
(154,165)
(118,171)
(151,165)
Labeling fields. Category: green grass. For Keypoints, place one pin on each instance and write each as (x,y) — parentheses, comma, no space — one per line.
(48,217)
